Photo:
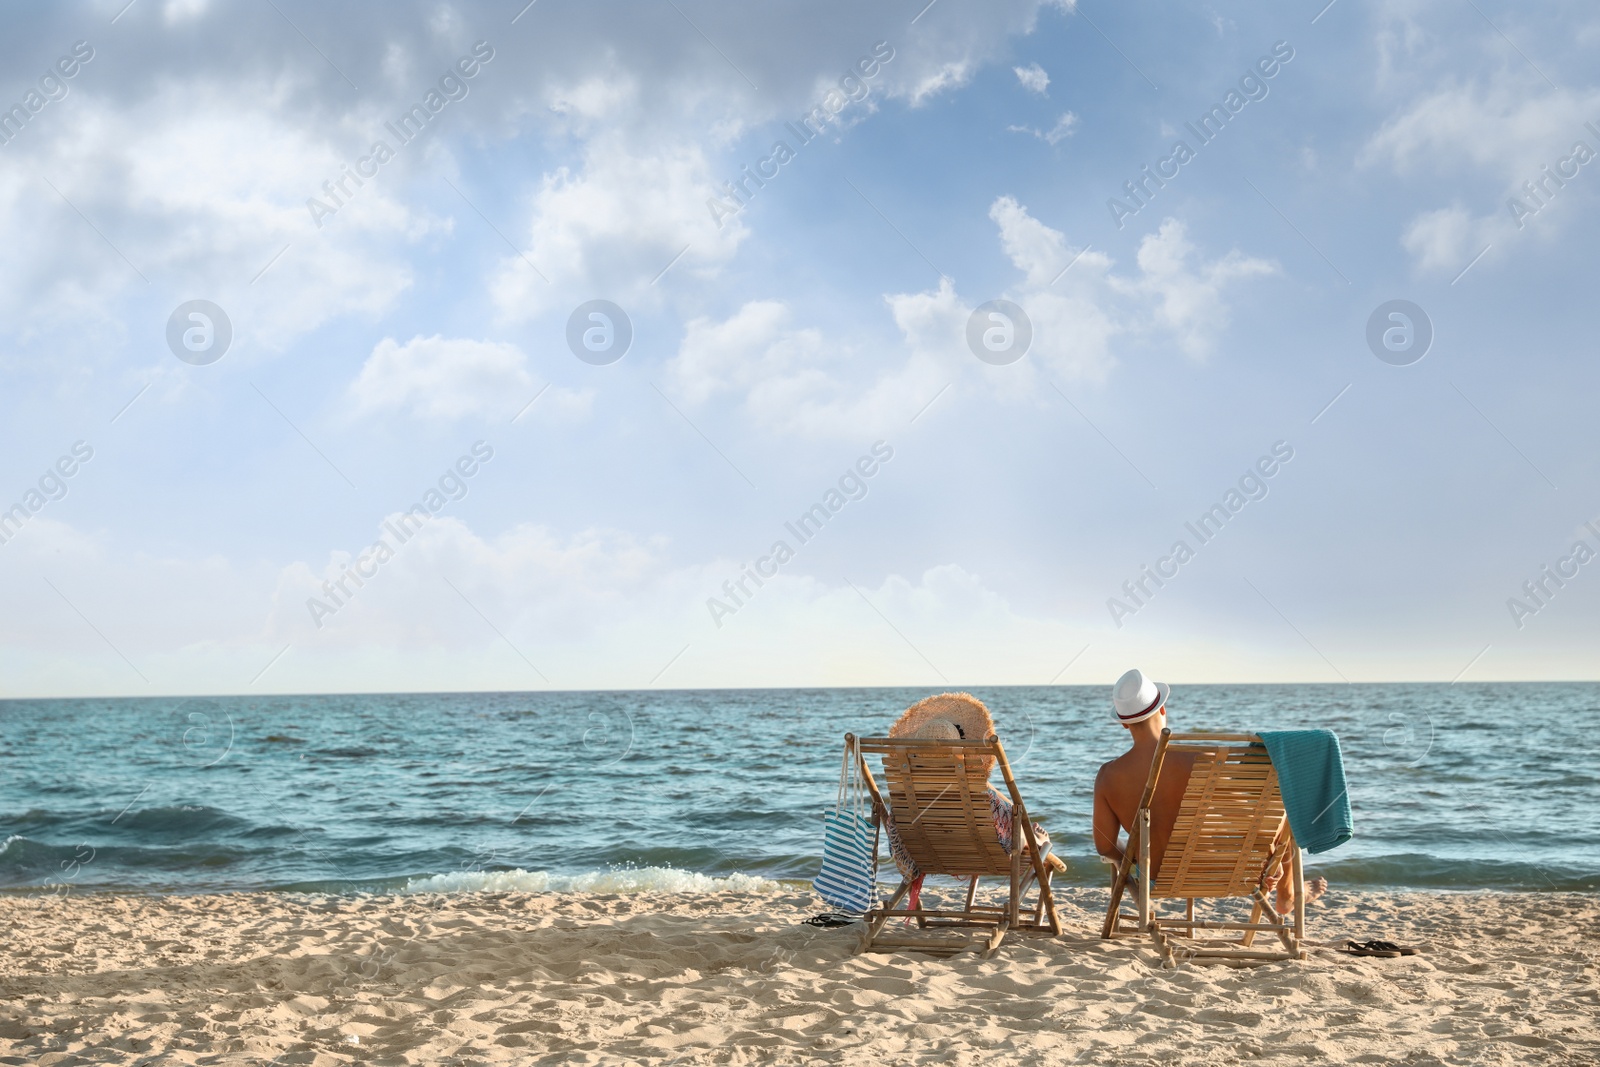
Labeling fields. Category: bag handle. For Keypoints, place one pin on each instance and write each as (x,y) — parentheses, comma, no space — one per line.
(844,776)
(852,781)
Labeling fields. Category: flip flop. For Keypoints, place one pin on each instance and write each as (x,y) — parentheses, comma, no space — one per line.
(1382,949)
(828,921)
(1390,946)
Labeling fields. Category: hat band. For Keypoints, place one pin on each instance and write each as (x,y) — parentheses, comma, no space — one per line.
(1153,705)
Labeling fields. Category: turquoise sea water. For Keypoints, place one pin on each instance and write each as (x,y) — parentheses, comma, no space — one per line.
(1453,787)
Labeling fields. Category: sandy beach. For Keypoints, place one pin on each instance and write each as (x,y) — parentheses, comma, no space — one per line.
(732,978)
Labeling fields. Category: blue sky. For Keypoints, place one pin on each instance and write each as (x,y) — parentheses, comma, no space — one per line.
(1225,318)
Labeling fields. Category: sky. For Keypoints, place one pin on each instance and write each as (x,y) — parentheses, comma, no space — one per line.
(618,345)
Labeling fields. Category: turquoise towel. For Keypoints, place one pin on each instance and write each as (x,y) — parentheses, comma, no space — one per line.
(1311,776)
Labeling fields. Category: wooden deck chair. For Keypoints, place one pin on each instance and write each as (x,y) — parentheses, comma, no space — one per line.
(938,796)
(1225,841)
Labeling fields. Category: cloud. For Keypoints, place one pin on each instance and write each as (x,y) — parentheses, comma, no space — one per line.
(613,226)
(1188,296)
(1508,128)
(1078,313)
(175,11)
(1033,78)
(531,580)
(196,162)
(1503,124)
(1445,240)
(951,75)
(753,347)
(1064,127)
(792,378)
(196,189)
(592,605)
(441,378)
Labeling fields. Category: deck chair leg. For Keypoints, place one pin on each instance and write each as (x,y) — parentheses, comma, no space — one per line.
(1015,901)
(1263,907)
(1047,902)
(1298,872)
(1255,916)
(1025,882)
(1144,869)
(972,892)
(1164,945)
(875,925)
(995,937)
(1119,884)
(1039,893)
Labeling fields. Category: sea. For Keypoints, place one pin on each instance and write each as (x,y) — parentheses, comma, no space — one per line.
(1453,787)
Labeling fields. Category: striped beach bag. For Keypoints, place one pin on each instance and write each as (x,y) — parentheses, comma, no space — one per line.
(850,843)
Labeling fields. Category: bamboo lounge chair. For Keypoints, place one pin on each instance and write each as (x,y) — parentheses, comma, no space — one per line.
(1224,844)
(938,795)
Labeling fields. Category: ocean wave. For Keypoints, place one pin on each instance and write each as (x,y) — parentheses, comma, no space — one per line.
(623,880)
(1422,871)
(167,822)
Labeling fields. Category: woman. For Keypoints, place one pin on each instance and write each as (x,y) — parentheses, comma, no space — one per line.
(952,717)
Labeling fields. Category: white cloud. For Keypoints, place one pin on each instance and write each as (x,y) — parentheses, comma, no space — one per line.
(199,187)
(1033,248)
(945,50)
(1077,314)
(1064,127)
(753,347)
(931,322)
(1033,78)
(1504,124)
(1444,240)
(595,98)
(793,378)
(951,75)
(443,378)
(614,226)
(590,607)
(529,579)
(1187,295)
(175,11)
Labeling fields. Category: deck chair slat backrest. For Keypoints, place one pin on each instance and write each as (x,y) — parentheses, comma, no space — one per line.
(1224,841)
(939,797)
(1230,813)
(937,793)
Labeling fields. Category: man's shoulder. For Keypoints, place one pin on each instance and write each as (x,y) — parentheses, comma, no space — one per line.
(1111,768)
(1116,762)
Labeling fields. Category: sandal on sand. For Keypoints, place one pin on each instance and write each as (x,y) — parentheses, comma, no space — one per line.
(828,920)
(1381,949)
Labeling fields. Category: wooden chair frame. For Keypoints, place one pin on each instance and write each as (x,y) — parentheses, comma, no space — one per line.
(1231,833)
(938,794)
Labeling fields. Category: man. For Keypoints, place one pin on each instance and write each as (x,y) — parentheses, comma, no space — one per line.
(1141,707)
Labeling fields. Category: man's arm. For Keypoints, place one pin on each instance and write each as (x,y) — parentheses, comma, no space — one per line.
(1106,824)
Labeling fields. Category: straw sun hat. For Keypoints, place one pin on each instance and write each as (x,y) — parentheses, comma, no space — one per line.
(933,717)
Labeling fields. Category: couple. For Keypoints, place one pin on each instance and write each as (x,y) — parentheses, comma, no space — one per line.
(1139,705)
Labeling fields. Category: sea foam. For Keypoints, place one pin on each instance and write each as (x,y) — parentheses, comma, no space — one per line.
(620,880)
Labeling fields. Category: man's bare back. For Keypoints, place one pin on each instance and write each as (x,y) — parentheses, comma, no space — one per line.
(1118,789)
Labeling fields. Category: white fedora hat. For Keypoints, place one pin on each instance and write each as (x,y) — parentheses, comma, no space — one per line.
(1135,698)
